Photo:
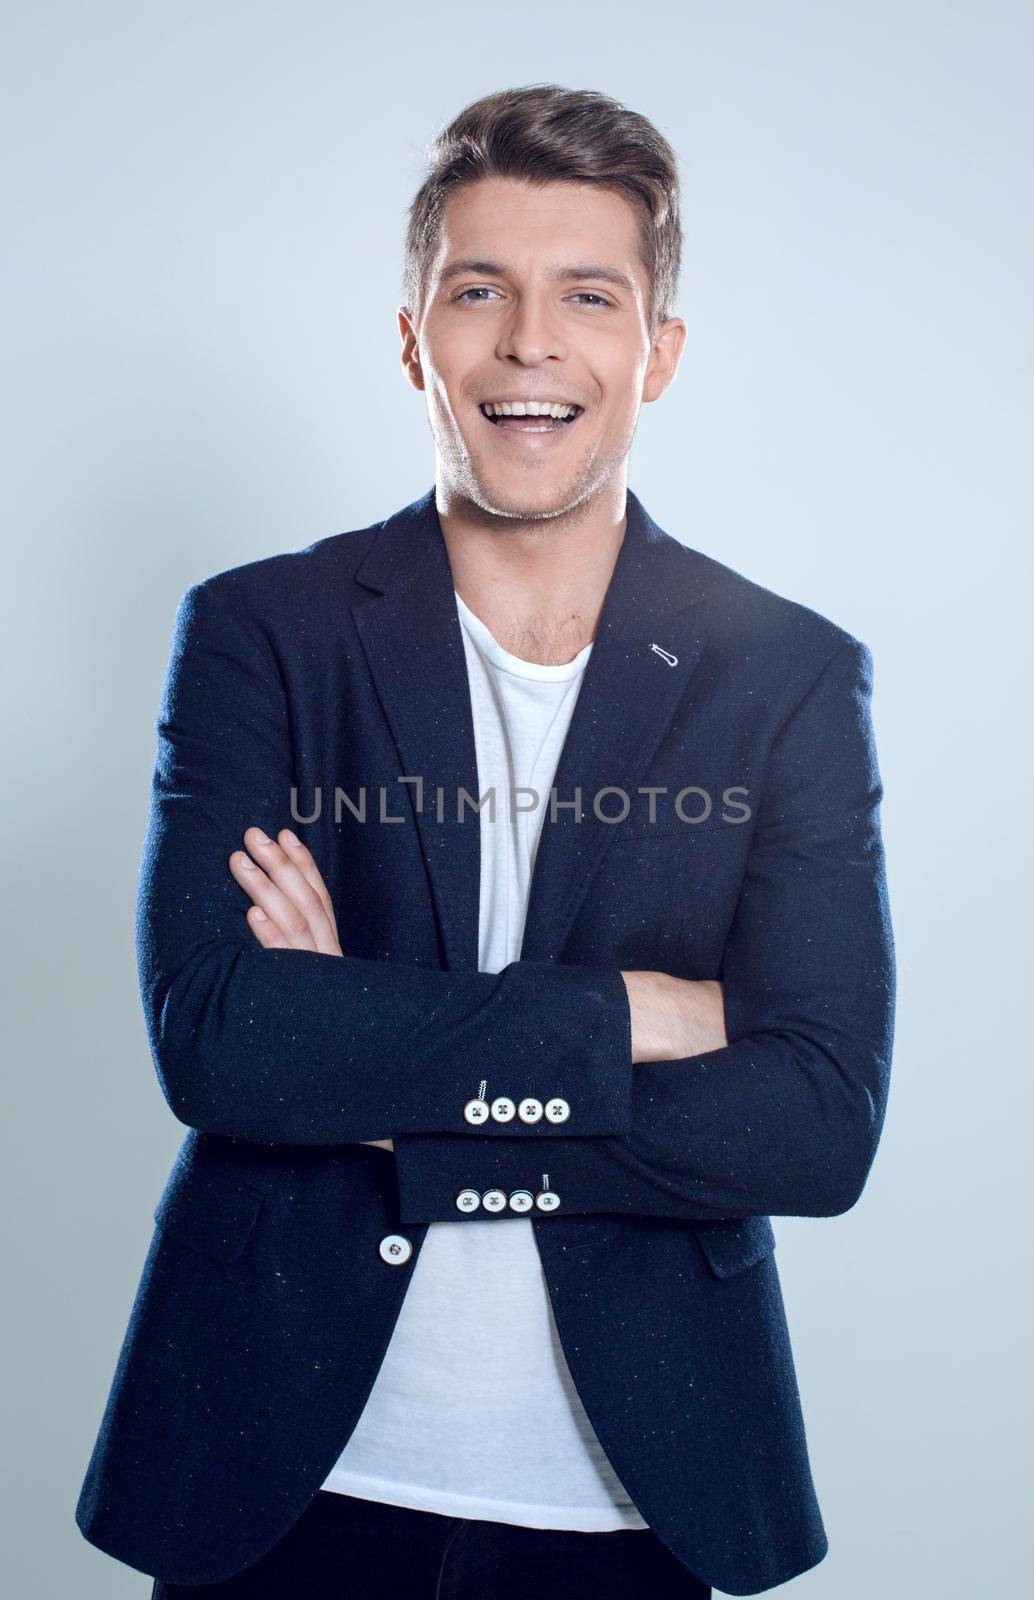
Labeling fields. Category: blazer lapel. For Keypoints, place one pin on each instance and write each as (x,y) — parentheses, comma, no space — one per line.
(414,647)
(412,637)
(626,703)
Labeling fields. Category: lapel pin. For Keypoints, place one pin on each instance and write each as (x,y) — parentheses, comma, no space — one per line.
(672,661)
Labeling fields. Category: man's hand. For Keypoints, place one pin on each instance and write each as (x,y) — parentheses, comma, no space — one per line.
(674,1017)
(292,909)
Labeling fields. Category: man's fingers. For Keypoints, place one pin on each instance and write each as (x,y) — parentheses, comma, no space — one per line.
(292,924)
(295,905)
(305,861)
(265,930)
(307,902)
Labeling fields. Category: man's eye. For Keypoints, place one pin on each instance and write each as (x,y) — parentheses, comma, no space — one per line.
(483,289)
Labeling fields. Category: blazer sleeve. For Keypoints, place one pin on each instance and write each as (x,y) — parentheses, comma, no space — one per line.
(294,1046)
(786,1118)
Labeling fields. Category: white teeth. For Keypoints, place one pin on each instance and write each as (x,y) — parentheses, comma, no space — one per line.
(527,408)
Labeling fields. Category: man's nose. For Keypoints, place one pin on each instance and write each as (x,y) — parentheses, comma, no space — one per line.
(532,333)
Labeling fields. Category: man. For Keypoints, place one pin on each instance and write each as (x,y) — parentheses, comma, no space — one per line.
(575,967)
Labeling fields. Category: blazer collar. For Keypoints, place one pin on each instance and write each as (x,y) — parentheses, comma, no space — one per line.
(411,634)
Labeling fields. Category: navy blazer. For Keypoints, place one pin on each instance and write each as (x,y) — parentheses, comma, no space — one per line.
(265,1303)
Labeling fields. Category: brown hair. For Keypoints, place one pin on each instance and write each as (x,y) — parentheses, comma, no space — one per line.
(543,133)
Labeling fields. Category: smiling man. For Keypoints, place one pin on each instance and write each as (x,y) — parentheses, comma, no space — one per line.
(514,943)
(536,337)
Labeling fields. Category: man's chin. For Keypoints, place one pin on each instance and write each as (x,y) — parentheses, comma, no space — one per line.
(524,497)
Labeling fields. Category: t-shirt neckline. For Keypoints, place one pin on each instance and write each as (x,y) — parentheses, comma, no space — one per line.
(516,665)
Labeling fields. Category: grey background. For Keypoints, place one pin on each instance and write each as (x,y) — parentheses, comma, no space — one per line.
(203,209)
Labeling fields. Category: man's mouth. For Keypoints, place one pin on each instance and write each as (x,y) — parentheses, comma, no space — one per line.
(531,416)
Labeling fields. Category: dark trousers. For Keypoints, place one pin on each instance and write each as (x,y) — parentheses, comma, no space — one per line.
(344,1548)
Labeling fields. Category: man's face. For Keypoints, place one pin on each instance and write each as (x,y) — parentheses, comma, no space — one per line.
(536,294)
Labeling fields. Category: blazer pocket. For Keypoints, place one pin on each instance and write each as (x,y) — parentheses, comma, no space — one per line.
(212,1217)
(733,1246)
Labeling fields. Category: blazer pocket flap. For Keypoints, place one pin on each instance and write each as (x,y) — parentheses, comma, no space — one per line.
(212,1217)
(732,1246)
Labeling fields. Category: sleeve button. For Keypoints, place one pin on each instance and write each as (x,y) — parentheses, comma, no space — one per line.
(530,1109)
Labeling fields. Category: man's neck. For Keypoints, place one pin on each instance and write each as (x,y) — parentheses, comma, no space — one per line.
(537,587)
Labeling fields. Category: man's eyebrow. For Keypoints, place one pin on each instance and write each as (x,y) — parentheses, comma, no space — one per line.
(583,269)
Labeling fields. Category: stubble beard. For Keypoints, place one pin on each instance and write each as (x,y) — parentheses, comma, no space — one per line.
(469,484)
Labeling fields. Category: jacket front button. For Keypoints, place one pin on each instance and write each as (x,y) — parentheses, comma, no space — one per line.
(494,1200)
(547,1200)
(476,1111)
(468,1200)
(521,1200)
(530,1109)
(395,1249)
(557,1110)
(503,1109)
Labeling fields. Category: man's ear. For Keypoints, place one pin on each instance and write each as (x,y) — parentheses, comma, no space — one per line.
(665,352)
(410,349)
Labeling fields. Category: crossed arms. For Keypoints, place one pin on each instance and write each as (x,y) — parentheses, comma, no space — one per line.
(292,910)
(297,1045)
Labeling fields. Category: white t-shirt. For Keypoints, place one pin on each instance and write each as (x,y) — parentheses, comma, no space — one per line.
(474,1412)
